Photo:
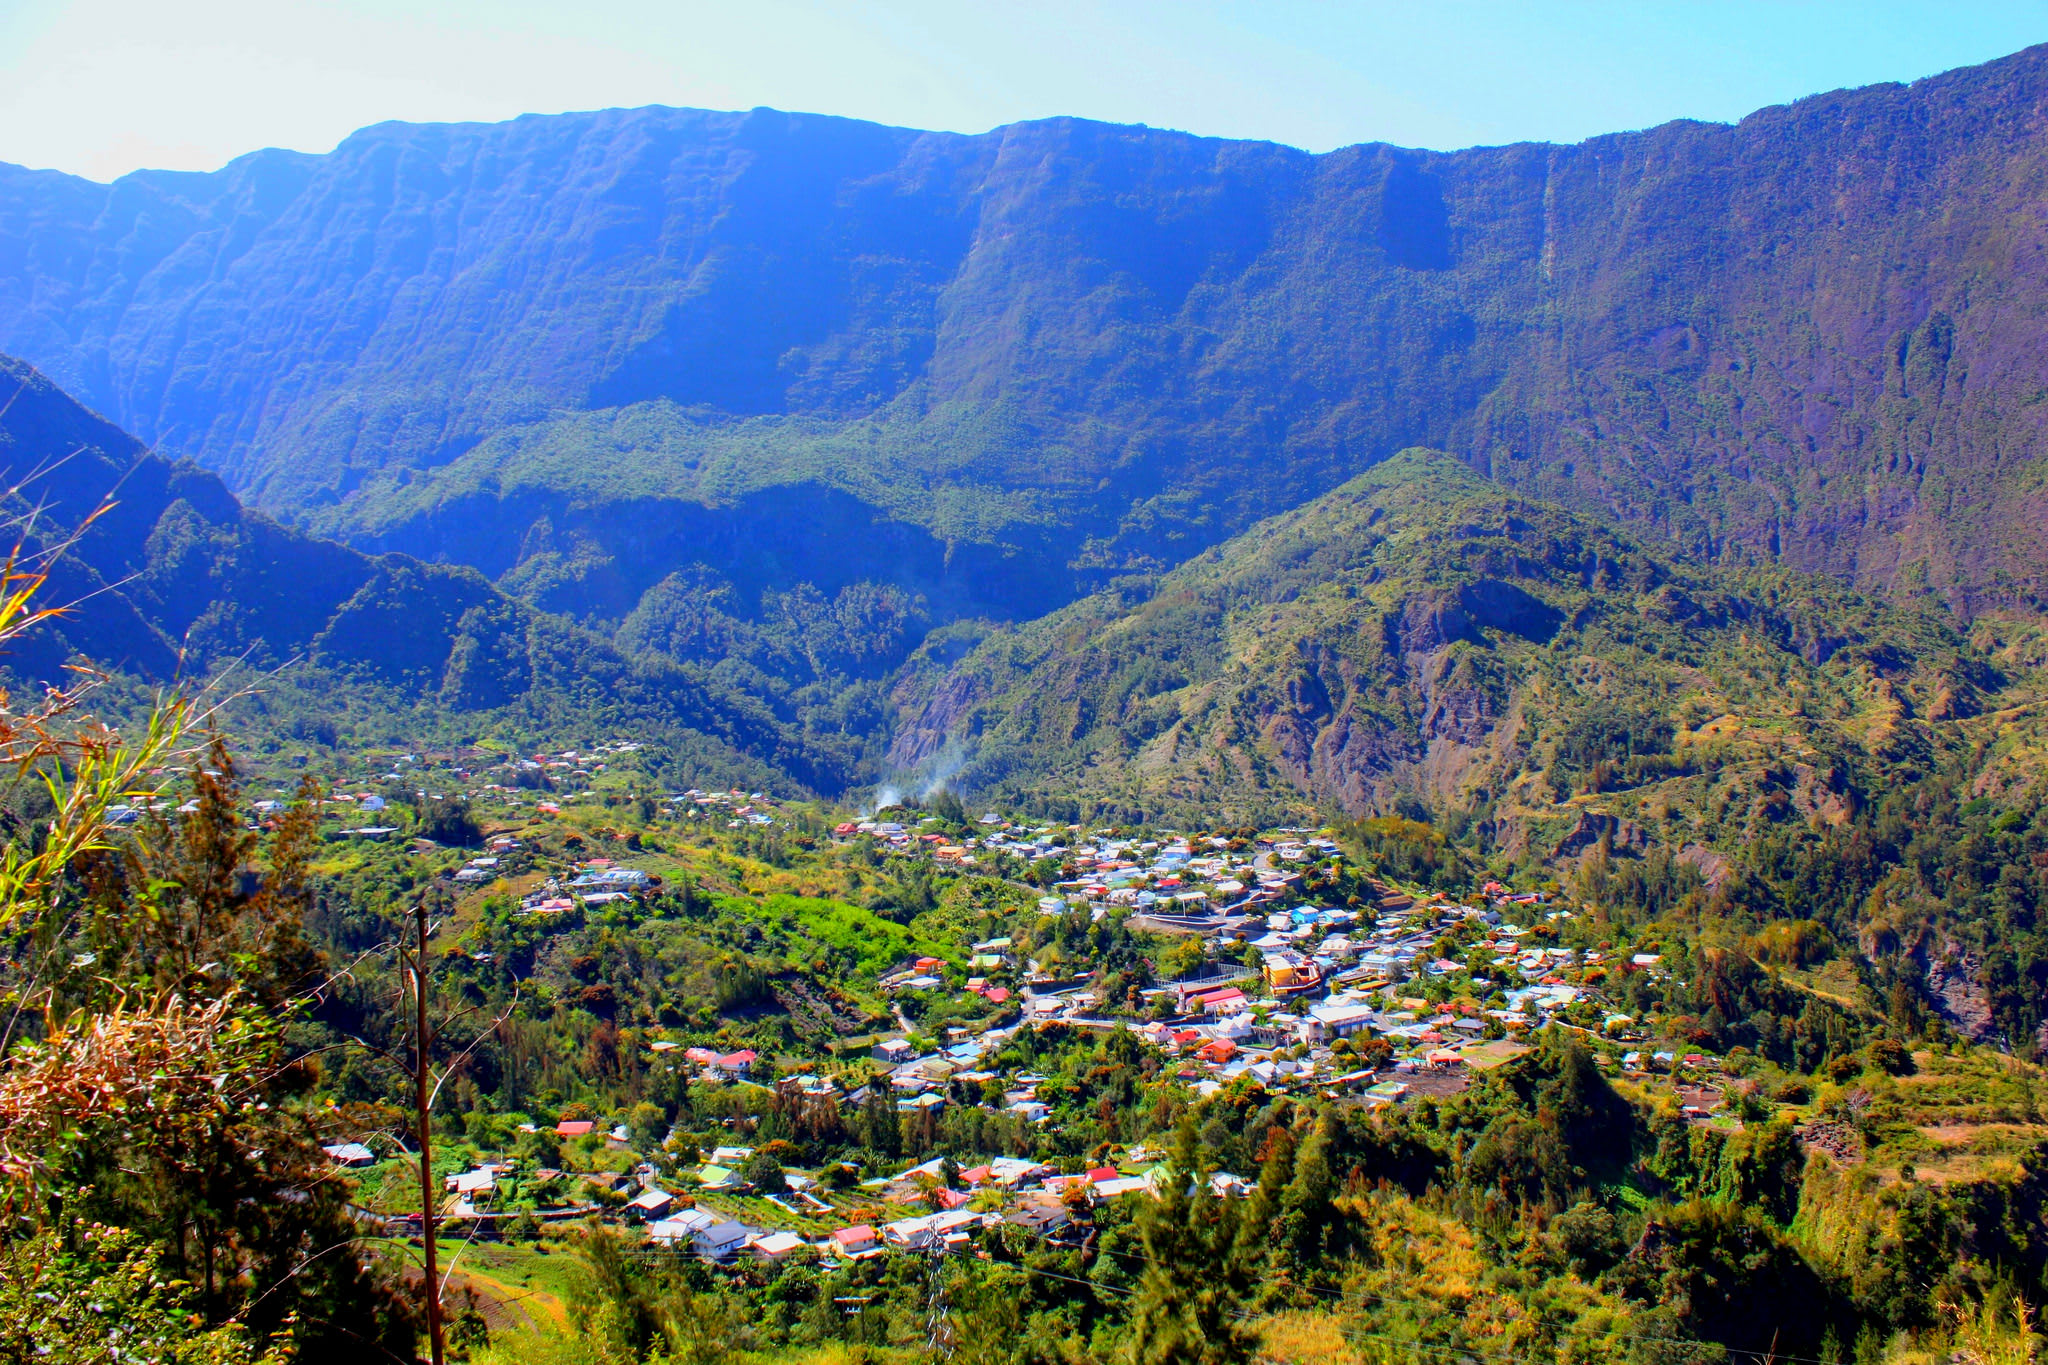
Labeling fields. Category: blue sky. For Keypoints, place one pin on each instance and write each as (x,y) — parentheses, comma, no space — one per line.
(101,87)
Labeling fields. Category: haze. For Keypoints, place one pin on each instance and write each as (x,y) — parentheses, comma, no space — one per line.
(102,87)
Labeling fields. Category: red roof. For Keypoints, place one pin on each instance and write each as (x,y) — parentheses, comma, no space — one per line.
(573,1127)
(847,828)
(1102,1173)
(977,1175)
(854,1236)
(744,1057)
(997,994)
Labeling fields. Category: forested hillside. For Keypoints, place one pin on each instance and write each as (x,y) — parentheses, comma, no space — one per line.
(171,580)
(1424,635)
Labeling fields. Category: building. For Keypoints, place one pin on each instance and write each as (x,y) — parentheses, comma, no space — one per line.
(351,1154)
(855,1240)
(651,1204)
(776,1246)
(1340,1021)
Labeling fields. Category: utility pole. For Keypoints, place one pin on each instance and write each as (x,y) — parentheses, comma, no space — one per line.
(423,1039)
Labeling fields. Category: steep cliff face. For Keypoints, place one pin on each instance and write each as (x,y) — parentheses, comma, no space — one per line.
(1077,349)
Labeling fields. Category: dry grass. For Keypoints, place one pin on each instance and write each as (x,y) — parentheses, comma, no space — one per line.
(1305,1339)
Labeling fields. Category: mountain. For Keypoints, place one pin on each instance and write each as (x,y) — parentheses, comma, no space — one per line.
(777,353)
(1423,638)
(177,578)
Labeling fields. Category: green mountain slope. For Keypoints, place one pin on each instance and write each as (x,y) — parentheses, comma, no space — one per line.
(1424,637)
(178,579)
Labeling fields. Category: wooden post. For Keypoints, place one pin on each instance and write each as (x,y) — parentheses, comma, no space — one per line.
(423,1038)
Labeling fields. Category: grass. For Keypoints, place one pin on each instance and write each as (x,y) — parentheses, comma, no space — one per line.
(531,1280)
(1304,1338)
(875,944)
(1487,1056)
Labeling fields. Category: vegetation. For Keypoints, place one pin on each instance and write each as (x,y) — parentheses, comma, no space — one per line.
(1709,898)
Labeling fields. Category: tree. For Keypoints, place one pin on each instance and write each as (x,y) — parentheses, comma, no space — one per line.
(447,820)
(173,1098)
(95,1296)
(210,917)
(633,1310)
(949,809)
(1196,1276)
(764,1173)
(151,1090)
(880,1131)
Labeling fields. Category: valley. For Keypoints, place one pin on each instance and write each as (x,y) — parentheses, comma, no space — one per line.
(794,742)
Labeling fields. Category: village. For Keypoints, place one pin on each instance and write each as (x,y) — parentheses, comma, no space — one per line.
(1263,987)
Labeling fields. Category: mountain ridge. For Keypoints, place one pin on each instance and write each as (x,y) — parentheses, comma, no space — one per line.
(1809,335)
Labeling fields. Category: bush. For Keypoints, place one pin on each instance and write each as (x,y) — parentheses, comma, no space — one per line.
(764,1173)
(447,820)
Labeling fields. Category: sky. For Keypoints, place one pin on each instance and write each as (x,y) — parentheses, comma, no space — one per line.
(102,87)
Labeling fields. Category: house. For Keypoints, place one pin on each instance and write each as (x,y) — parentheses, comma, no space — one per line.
(1216,1000)
(1217,1050)
(735,1065)
(351,1154)
(574,1128)
(682,1227)
(1039,1216)
(612,879)
(720,1178)
(721,1239)
(1339,1021)
(894,1051)
(469,1184)
(651,1203)
(916,1233)
(776,1246)
(855,1240)
(730,1156)
(1012,1171)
